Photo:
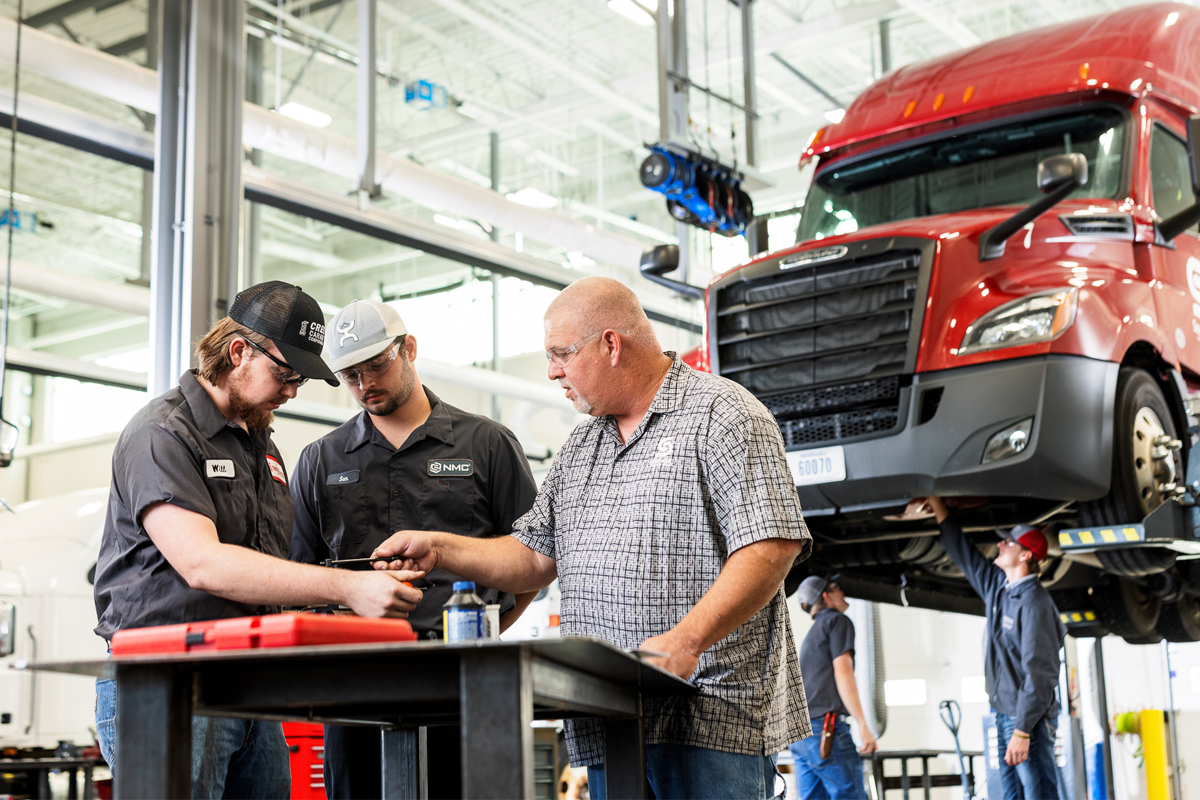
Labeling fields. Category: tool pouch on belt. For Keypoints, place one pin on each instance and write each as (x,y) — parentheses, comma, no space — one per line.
(827,735)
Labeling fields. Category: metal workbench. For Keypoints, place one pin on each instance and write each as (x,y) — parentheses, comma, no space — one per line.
(492,689)
(924,781)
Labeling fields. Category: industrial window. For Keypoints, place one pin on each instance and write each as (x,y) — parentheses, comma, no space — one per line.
(1170,174)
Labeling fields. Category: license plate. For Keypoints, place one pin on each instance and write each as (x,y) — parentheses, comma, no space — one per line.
(823,465)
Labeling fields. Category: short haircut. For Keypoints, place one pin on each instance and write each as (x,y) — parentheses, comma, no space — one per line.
(212,351)
(596,304)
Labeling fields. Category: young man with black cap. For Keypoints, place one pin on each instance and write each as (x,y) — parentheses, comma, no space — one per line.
(1022,663)
(827,766)
(409,460)
(199,519)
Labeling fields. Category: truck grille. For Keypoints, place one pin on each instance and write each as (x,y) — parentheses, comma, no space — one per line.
(825,347)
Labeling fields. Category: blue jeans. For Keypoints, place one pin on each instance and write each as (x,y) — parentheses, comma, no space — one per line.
(1037,777)
(684,772)
(243,758)
(839,777)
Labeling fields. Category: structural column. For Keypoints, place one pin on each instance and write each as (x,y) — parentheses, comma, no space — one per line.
(197,177)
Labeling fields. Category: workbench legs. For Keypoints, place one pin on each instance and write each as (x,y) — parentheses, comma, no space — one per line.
(496,708)
(154,732)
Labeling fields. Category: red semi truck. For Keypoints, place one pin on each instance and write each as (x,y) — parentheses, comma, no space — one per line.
(995,297)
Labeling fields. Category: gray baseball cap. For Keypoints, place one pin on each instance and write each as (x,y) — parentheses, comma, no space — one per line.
(359,332)
(812,587)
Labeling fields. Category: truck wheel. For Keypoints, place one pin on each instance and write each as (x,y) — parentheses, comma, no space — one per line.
(1142,466)
(1137,562)
(1180,621)
(1125,609)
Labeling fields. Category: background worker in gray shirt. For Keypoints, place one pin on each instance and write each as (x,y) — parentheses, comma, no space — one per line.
(409,460)
(199,520)
(827,665)
(671,520)
(1022,662)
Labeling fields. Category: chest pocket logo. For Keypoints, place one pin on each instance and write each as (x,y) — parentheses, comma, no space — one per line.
(219,468)
(341,478)
(276,469)
(451,468)
(665,449)
(1007,623)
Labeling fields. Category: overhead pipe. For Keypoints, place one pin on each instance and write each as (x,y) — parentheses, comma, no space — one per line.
(81,289)
(112,77)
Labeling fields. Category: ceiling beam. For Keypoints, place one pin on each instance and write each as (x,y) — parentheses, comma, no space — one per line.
(950,27)
(127,46)
(70,8)
(534,52)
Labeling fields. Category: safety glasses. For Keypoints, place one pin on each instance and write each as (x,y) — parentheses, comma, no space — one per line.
(289,378)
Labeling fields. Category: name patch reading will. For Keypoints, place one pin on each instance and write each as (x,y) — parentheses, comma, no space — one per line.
(451,467)
(219,467)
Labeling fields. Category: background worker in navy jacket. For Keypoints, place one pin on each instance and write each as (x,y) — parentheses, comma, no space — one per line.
(1022,662)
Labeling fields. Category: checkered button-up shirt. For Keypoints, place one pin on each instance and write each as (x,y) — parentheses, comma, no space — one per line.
(641,530)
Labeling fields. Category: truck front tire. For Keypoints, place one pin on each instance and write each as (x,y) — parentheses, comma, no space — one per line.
(1139,471)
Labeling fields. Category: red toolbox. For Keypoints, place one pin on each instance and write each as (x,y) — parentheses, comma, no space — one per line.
(272,630)
(306,753)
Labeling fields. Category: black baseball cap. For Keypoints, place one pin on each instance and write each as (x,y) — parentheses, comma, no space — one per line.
(291,319)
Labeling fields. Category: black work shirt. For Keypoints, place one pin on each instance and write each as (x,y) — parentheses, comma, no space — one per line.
(1024,635)
(181,450)
(457,472)
(831,635)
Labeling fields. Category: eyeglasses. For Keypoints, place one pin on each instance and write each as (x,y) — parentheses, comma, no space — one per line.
(560,356)
(373,368)
(289,378)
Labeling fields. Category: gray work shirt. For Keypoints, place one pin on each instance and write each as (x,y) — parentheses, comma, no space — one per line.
(456,472)
(642,529)
(181,450)
(831,635)
(1024,635)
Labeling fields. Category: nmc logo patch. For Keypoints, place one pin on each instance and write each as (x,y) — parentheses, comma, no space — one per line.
(451,467)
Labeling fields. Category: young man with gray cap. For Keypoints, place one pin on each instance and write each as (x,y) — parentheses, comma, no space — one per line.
(199,519)
(1022,663)
(409,460)
(827,766)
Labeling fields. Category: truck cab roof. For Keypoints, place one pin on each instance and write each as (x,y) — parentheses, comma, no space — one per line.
(1151,48)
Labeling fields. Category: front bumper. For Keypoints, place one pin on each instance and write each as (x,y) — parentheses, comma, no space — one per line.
(1068,457)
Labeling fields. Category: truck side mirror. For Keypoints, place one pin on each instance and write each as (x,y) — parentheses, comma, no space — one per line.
(657,261)
(1056,171)
(1171,227)
(1057,177)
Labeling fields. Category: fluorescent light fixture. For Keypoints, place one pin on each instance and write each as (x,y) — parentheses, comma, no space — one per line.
(302,113)
(532,197)
(835,116)
(635,12)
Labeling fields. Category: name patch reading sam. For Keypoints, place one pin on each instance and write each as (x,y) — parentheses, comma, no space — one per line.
(219,468)
(451,467)
(349,476)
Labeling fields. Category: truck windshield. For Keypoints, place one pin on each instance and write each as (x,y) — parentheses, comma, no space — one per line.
(978,169)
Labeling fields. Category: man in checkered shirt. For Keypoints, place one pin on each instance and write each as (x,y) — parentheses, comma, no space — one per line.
(670,519)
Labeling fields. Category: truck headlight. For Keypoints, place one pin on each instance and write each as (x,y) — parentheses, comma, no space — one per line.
(1034,318)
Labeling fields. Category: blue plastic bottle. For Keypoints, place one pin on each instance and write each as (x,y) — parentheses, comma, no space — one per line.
(464,614)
